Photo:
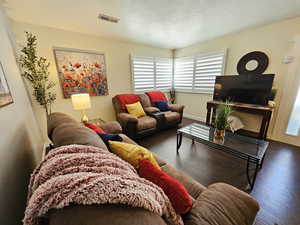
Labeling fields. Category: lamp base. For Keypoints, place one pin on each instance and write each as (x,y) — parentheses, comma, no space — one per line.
(84,118)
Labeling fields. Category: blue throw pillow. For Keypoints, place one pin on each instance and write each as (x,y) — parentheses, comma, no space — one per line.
(162,105)
(109,137)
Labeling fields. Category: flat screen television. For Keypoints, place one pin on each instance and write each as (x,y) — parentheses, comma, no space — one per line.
(249,89)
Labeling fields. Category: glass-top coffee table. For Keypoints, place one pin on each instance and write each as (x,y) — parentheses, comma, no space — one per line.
(250,149)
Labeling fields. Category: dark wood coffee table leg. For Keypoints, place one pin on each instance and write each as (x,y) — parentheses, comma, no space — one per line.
(178,141)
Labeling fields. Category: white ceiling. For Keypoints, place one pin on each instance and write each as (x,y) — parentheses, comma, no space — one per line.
(164,23)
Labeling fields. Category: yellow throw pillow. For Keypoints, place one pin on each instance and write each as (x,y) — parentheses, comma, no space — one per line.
(135,109)
(132,153)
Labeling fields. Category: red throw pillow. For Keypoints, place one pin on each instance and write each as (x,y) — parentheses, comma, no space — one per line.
(176,192)
(156,96)
(95,128)
(125,99)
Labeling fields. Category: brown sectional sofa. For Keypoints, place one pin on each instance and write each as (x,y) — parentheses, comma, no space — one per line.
(218,204)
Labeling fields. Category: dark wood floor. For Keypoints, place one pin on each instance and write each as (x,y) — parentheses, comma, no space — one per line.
(277,187)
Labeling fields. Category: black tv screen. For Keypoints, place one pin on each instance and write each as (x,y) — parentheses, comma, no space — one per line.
(249,89)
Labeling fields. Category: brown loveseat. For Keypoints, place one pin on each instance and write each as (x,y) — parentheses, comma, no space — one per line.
(169,119)
(137,128)
(218,204)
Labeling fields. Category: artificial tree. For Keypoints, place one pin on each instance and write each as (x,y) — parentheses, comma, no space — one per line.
(36,70)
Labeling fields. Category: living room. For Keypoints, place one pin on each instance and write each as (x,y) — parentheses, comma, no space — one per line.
(127,34)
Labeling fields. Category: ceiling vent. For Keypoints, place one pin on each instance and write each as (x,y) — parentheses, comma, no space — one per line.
(108,18)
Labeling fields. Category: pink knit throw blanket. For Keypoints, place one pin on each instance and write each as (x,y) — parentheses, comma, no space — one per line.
(88,175)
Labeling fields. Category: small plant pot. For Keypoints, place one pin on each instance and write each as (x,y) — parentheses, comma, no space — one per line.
(219,133)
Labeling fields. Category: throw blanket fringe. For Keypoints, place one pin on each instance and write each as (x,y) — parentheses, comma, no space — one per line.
(88,175)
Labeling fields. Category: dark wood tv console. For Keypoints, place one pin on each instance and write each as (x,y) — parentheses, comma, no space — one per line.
(265,111)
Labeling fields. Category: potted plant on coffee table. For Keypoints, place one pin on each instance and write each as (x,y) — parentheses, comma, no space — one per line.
(221,123)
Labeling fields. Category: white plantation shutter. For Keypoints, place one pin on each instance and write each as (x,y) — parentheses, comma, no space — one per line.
(164,73)
(143,73)
(207,67)
(198,73)
(151,73)
(184,73)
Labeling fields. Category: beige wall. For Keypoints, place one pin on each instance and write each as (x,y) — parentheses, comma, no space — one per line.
(117,55)
(20,141)
(275,40)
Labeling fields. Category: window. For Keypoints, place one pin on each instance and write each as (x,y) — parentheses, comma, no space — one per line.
(198,73)
(294,122)
(151,73)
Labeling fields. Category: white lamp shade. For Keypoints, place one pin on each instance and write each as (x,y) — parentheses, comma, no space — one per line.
(81,101)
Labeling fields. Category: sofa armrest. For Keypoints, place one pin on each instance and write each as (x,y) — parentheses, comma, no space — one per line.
(151,109)
(126,117)
(222,204)
(112,127)
(128,123)
(176,108)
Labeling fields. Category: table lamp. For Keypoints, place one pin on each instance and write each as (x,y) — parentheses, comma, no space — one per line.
(81,102)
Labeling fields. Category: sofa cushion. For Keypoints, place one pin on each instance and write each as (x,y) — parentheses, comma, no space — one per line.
(194,188)
(95,128)
(146,122)
(156,96)
(75,133)
(57,118)
(176,192)
(112,127)
(113,214)
(135,109)
(151,109)
(172,116)
(145,100)
(132,153)
(222,204)
(162,105)
(109,137)
(126,99)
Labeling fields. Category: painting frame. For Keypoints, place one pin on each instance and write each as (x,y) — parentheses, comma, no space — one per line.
(6,97)
(94,78)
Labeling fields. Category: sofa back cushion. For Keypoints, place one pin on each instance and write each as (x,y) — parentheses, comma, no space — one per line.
(125,99)
(156,96)
(145,100)
(64,130)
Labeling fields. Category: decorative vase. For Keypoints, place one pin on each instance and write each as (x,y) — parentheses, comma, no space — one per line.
(219,133)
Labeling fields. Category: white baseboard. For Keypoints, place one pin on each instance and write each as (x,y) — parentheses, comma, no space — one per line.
(193,117)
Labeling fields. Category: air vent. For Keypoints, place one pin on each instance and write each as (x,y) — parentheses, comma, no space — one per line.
(108,18)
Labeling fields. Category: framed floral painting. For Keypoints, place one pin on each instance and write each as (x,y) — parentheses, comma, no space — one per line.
(81,72)
(5,95)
